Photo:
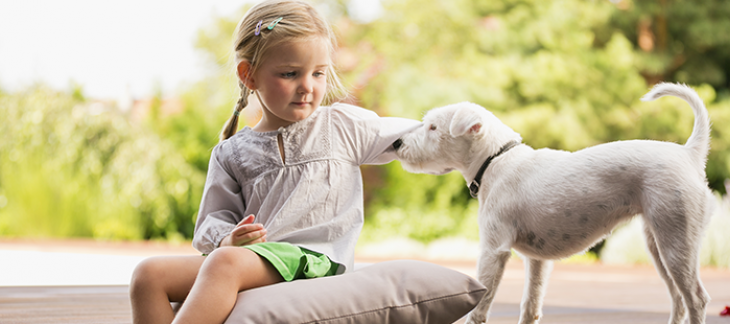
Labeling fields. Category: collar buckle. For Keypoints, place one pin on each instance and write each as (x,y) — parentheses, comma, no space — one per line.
(474,189)
(474,186)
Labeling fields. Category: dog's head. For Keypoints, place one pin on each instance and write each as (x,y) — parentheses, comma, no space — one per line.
(451,138)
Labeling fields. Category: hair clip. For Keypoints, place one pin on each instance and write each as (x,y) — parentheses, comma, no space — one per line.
(274,23)
(258,28)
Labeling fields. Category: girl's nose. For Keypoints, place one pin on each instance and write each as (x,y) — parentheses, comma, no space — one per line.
(306,86)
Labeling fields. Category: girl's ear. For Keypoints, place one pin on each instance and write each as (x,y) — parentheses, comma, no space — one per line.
(244,74)
(465,120)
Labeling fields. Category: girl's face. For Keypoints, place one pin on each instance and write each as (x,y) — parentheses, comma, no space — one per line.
(291,82)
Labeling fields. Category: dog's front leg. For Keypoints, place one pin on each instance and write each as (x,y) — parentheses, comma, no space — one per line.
(537,273)
(490,270)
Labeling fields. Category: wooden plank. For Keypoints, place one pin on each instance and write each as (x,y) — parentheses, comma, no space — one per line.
(81,304)
(110,305)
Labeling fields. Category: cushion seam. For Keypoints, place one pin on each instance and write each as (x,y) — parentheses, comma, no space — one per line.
(398,306)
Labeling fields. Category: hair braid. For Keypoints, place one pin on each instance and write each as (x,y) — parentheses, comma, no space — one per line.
(231,125)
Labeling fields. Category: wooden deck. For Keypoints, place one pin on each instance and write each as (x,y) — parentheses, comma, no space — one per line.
(576,294)
(82,304)
(110,305)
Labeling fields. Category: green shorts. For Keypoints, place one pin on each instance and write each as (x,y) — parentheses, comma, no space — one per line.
(294,262)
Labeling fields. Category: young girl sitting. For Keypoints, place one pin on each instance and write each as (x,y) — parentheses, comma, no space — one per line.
(283,200)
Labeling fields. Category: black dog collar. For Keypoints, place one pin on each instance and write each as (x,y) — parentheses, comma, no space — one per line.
(474,186)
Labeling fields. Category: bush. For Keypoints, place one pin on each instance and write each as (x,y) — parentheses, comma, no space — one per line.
(71,168)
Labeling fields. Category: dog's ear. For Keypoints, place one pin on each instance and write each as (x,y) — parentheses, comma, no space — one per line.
(465,120)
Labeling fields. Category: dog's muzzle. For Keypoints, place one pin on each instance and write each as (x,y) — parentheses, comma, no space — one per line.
(397,144)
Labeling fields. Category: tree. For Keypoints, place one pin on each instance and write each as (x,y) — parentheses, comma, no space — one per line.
(681,41)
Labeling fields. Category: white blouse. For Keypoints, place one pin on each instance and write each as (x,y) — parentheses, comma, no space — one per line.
(314,197)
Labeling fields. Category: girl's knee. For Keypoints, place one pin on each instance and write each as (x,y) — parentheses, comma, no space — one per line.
(229,262)
(227,257)
(239,267)
(147,273)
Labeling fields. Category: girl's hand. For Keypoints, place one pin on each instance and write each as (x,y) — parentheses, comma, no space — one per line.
(245,233)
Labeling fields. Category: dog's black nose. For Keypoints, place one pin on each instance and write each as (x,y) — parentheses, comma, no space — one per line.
(397,144)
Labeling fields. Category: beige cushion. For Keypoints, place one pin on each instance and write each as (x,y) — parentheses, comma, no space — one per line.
(392,292)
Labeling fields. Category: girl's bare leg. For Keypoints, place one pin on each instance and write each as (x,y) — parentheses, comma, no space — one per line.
(224,273)
(159,280)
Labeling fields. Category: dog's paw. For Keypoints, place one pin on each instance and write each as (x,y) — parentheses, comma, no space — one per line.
(475,319)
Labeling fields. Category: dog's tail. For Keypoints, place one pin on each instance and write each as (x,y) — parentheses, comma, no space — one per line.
(699,140)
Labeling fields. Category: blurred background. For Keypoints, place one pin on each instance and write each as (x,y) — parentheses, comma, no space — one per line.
(109,110)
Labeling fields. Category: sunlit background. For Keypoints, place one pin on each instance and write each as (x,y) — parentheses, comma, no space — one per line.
(109,109)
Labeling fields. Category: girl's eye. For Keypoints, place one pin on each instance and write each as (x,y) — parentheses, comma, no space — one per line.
(318,74)
(432,127)
(289,74)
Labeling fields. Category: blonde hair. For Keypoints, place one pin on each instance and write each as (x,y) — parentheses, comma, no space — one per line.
(299,21)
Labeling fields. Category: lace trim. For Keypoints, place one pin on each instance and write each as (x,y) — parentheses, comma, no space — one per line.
(257,153)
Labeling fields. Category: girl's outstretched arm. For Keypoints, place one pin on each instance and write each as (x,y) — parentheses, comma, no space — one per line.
(368,137)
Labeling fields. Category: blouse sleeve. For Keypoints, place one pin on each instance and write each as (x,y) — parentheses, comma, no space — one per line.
(221,206)
(368,137)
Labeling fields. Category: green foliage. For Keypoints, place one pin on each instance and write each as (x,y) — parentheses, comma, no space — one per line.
(684,41)
(71,168)
(561,73)
(432,207)
(565,74)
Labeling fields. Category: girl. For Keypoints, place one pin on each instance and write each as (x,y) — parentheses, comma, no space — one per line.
(283,200)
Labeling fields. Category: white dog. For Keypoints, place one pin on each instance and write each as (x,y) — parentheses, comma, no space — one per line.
(549,204)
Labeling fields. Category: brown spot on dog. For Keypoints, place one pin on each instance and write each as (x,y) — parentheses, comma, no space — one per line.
(531,238)
(583,219)
(540,244)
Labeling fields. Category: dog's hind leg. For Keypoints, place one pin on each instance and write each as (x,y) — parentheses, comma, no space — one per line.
(537,273)
(677,230)
(678,310)
(490,270)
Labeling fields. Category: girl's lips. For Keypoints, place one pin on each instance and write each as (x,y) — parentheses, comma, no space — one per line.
(300,104)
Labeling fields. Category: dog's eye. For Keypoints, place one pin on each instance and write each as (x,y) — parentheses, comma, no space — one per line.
(432,127)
